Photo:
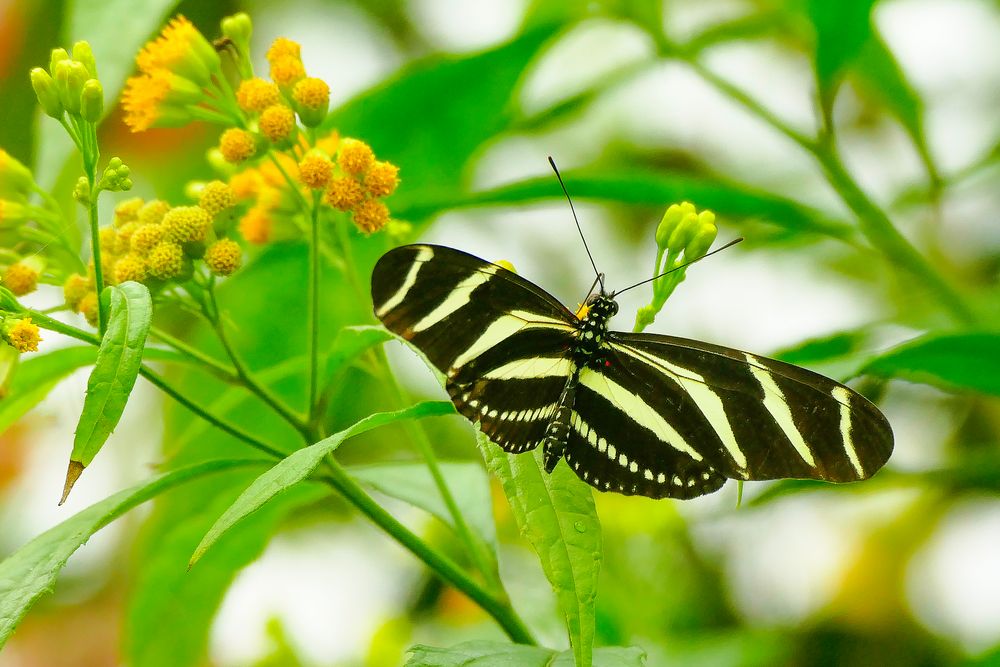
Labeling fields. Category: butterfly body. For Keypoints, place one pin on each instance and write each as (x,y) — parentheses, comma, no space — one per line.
(641,414)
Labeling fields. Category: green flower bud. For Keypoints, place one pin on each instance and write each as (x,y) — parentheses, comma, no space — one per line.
(238,28)
(703,238)
(83,54)
(46,92)
(57,56)
(81,191)
(683,233)
(70,77)
(92,100)
(669,222)
(16,180)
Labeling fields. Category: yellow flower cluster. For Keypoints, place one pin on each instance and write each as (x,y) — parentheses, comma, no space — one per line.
(21,334)
(152,243)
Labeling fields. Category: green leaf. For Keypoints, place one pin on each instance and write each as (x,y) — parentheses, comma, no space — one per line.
(842,28)
(413,483)
(880,73)
(300,464)
(478,90)
(556,514)
(495,654)
(113,377)
(957,361)
(352,342)
(32,569)
(651,188)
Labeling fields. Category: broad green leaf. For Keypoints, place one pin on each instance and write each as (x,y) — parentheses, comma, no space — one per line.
(556,514)
(300,464)
(652,188)
(959,361)
(478,90)
(495,654)
(32,569)
(842,28)
(111,381)
(413,483)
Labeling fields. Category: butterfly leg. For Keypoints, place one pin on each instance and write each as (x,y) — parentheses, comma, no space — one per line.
(557,432)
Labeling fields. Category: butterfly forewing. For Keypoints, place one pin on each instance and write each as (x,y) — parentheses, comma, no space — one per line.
(502,342)
(651,415)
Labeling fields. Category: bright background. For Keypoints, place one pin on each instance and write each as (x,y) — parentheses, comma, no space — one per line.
(904,569)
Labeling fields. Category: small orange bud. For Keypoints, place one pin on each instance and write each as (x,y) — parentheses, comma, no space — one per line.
(277,123)
(315,170)
(237,145)
(355,156)
(371,215)
(344,193)
(382,179)
(257,94)
(223,257)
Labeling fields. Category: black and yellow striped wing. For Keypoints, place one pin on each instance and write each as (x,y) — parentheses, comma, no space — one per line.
(637,414)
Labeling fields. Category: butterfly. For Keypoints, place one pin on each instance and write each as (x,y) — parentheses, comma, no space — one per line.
(634,413)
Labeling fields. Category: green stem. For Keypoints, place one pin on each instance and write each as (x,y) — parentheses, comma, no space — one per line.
(221,370)
(157,381)
(312,312)
(881,233)
(447,569)
(212,116)
(263,393)
(419,437)
(873,221)
(52,324)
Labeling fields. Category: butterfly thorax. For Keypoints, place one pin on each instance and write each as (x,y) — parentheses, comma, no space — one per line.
(592,330)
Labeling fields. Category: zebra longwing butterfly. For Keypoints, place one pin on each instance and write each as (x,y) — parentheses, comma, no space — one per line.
(642,414)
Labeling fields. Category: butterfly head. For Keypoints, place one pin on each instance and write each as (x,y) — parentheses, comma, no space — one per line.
(601,307)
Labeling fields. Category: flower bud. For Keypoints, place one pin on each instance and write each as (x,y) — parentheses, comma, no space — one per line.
(92,100)
(238,28)
(83,54)
(70,77)
(671,218)
(57,56)
(46,92)
(683,232)
(703,238)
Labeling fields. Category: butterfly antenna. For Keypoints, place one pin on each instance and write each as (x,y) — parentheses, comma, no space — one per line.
(678,268)
(600,276)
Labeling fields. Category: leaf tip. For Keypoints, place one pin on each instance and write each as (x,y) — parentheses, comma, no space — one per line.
(73,473)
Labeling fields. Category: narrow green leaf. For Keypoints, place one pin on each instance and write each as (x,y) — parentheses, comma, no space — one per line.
(300,464)
(958,361)
(113,377)
(495,654)
(556,514)
(842,28)
(32,569)
(413,483)
(651,188)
